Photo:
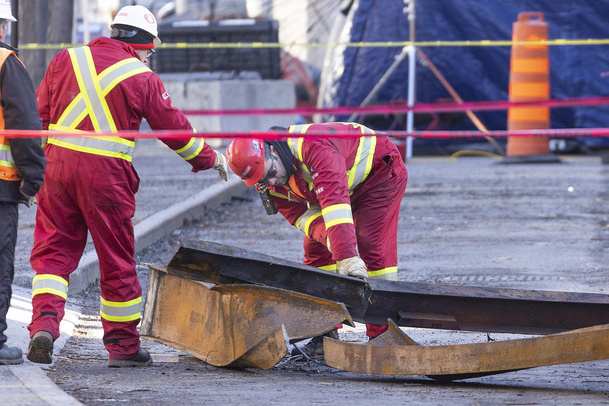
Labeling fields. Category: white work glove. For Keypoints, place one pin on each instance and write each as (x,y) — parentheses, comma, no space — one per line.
(353,266)
(220,165)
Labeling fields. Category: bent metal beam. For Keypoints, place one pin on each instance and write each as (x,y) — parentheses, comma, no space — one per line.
(407,304)
(396,354)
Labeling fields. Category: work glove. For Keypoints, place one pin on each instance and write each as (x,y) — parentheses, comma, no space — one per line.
(353,266)
(29,193)
(30,200)
(220,165)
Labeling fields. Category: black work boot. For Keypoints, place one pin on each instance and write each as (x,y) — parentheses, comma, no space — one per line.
(40,349)
(10,355)
(142,359)
(314,349)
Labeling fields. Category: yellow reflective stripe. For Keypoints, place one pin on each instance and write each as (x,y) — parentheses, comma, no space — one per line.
(298,129)
(52,284)
(330,268)
(295,145)
(58,127)
(120,71)
(90,88)
(363,161)
(362,128)
(273,193)
(390,273)
(304,221)
(192,149)
(337,214)
(5,155)
(108,79)
(6,158)
(123,148)
(121,311)
(306,175)
(73,114)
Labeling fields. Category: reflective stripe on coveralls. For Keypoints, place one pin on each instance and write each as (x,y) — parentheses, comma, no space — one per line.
(356,175)
(305,220)
(362,165)
(51,284)
(121,311)
(329,268)
(91,102)
(192,149)
(390,273)
(338,213)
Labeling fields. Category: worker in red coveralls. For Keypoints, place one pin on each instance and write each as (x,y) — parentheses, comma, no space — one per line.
(90,183)
(344,194)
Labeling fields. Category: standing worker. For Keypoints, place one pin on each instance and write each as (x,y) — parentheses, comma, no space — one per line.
(22,165)
(344,194)
(104,86)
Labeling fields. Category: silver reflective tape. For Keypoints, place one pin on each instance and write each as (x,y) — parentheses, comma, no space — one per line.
(89,82)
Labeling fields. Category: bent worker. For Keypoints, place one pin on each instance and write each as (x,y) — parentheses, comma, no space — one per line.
(344,194)
(91,183)
(22,165)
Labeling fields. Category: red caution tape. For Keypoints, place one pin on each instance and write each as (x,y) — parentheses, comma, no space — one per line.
(277,135)
(401,108)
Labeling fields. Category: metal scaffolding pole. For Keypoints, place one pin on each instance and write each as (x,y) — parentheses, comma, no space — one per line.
(412,58)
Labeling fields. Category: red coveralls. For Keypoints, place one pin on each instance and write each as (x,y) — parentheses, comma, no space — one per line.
(90,183)
(347,192)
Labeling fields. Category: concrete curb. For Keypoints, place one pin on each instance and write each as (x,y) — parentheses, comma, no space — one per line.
(159,225)
(41,387)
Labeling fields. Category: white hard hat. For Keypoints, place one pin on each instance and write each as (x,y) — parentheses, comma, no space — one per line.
(138,17)
(5,11)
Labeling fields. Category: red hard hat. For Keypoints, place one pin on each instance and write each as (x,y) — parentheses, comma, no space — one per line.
(246,159)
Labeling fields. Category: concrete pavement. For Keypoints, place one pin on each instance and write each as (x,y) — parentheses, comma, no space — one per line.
(467,222)
(170,195)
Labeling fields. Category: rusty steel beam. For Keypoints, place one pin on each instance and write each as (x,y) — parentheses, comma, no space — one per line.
(397,354)
(223,264)
(233,325)
(408,304)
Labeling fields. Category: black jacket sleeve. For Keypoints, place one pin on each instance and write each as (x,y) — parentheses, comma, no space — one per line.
(20,113)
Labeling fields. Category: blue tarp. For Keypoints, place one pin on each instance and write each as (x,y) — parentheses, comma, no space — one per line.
(476,73)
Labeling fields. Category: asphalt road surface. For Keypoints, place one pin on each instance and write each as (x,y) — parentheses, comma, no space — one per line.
(471,221)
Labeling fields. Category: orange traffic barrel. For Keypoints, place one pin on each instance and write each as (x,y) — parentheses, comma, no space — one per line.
(529,81)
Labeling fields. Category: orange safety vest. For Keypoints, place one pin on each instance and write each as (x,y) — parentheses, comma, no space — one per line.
(8,170)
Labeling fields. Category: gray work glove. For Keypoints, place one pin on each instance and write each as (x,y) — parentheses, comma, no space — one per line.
(220,165)
(353,266)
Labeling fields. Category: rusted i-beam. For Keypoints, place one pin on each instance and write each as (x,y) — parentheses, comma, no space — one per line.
(408,304)
(233,325)
(396,354)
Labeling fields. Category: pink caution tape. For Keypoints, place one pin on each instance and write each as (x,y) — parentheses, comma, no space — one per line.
(277,135)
